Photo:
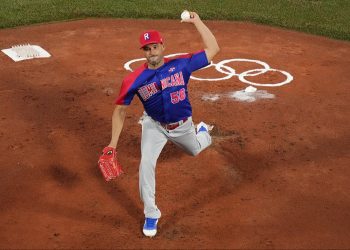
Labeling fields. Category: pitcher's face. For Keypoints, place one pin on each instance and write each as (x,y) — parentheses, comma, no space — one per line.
(154,54)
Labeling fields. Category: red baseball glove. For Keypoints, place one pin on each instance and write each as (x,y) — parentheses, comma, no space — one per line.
(109,165)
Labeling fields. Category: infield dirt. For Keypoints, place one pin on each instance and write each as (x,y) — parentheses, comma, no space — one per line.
(276,176)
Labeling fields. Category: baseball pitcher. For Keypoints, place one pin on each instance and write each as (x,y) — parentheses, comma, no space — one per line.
(161,85)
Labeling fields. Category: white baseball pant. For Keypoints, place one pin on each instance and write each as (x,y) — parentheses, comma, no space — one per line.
(154,138)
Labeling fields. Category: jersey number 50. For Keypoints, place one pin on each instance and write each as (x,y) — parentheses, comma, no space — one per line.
(178,96)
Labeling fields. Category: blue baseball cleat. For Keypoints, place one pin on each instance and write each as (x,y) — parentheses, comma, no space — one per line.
(203,127)
(150,227)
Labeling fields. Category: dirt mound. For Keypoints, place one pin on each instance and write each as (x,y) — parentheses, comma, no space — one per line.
(276,176)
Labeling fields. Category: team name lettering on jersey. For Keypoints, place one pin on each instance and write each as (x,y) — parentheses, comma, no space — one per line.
(148,90)
(176,79)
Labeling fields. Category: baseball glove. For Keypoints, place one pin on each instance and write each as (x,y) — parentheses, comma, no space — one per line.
(109,165)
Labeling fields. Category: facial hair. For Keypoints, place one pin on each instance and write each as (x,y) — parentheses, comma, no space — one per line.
(154,60)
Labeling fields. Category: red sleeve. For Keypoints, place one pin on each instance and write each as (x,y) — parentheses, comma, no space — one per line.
(127,92)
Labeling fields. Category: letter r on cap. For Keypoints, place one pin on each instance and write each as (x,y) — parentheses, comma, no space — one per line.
(146,36)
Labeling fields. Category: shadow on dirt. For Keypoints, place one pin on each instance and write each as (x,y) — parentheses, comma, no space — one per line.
(64,176)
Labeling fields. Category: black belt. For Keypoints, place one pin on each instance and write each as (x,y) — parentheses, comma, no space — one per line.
(172,126)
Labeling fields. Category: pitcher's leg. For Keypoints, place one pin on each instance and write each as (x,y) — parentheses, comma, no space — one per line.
(152,143)
(186,137)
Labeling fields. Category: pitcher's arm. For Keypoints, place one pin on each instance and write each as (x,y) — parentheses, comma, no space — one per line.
(209,40)
(118,119)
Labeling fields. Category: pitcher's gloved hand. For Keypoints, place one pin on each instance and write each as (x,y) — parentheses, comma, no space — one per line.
(109,165)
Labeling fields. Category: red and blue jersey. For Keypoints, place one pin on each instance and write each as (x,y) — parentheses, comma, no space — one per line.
(163,91)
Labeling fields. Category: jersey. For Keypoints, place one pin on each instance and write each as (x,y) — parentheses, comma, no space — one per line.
(163,91)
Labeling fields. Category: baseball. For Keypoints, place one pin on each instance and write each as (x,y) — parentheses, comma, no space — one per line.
(185,15)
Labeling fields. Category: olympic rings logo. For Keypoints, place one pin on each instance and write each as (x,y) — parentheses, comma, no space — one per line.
(229,72)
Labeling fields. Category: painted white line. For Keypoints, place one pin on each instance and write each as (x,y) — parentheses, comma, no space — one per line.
(229,72)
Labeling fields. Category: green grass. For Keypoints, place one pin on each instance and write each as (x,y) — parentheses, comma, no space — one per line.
(323,17)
